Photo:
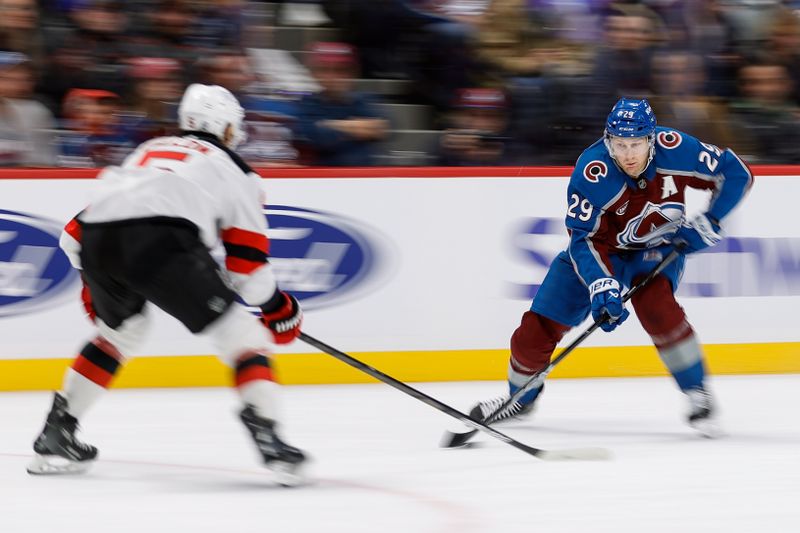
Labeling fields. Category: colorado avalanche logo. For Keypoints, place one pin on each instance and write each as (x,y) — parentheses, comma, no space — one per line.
(653,226)
(594,170)
(669,139)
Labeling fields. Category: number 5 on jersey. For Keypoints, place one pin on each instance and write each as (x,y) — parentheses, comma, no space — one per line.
(161,154)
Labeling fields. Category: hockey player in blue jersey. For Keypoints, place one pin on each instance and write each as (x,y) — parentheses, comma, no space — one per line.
(625,212)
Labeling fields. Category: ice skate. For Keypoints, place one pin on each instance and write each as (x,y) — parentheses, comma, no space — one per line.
(58,451)
(284,460)
(702,415)
(514,412)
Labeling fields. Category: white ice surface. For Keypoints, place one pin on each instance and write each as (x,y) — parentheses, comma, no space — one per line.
(179,461)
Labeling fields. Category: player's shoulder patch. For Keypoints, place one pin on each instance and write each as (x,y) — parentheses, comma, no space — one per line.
(594,164)
(594,170)
(669,139)
(675,150)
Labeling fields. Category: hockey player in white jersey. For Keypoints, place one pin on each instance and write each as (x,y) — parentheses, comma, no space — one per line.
(145,241)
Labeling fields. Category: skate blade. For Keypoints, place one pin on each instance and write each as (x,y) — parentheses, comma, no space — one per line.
(52,465)
(288,474)
(708,428)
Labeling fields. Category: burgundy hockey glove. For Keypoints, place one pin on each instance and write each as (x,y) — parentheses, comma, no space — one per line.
(283,316)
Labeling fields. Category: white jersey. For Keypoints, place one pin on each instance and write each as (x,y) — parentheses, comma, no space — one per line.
(195,178)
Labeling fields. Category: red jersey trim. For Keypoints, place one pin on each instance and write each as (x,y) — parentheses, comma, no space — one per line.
(243,237)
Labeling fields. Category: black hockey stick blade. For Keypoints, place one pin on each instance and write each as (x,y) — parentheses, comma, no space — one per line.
(546,455)
(451,439)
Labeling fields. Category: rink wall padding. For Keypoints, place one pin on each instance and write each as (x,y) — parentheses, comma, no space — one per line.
(422,273)
(459,365)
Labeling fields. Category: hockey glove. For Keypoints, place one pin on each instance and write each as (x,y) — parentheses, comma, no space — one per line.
(607,306)
(282,316)
(697,234)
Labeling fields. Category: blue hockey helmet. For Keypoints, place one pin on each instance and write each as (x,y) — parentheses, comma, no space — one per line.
(631,117)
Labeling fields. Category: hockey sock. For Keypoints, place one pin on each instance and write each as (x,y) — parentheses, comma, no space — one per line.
(515,382)
(254,382)
(664,319)
(90,375)
(684,360)
(532,345)
(533,342)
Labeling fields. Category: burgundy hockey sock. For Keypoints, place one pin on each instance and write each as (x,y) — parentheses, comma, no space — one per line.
(533,342)
(660,314)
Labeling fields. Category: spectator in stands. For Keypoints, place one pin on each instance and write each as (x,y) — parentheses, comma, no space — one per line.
(783,46)
(219,24)
(156,89)
(91,53)
(96,133)
(621,67)
(511,42)
(519,44)
(765,118)
(712,35)
(395,40)
(679,80)
(26,126)
(20,30)
(268,125)
(186,29)
(337,126)
(478,136)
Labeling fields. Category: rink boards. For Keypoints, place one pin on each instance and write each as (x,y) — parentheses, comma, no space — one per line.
(420,272)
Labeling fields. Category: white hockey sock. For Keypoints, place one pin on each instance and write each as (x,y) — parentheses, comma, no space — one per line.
(262,394)
(81,393)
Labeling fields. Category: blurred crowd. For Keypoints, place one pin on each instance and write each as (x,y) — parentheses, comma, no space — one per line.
(503,82)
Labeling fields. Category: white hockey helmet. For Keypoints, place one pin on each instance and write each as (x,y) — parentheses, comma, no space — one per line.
(211,108)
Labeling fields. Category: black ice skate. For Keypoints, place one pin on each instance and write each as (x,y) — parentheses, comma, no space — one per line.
(284,460)
(57,449)
(702,413)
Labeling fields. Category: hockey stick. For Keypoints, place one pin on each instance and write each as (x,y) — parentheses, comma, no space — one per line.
(548,455)
(453,440)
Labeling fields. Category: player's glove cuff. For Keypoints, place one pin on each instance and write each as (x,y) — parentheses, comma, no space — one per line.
(602,285)
(707,228)
(283,316)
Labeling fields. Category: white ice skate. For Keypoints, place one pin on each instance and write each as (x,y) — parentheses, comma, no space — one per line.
(513,413)
(702,413)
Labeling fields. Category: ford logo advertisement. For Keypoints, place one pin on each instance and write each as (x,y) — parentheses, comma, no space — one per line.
(34,272)
(324,258)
